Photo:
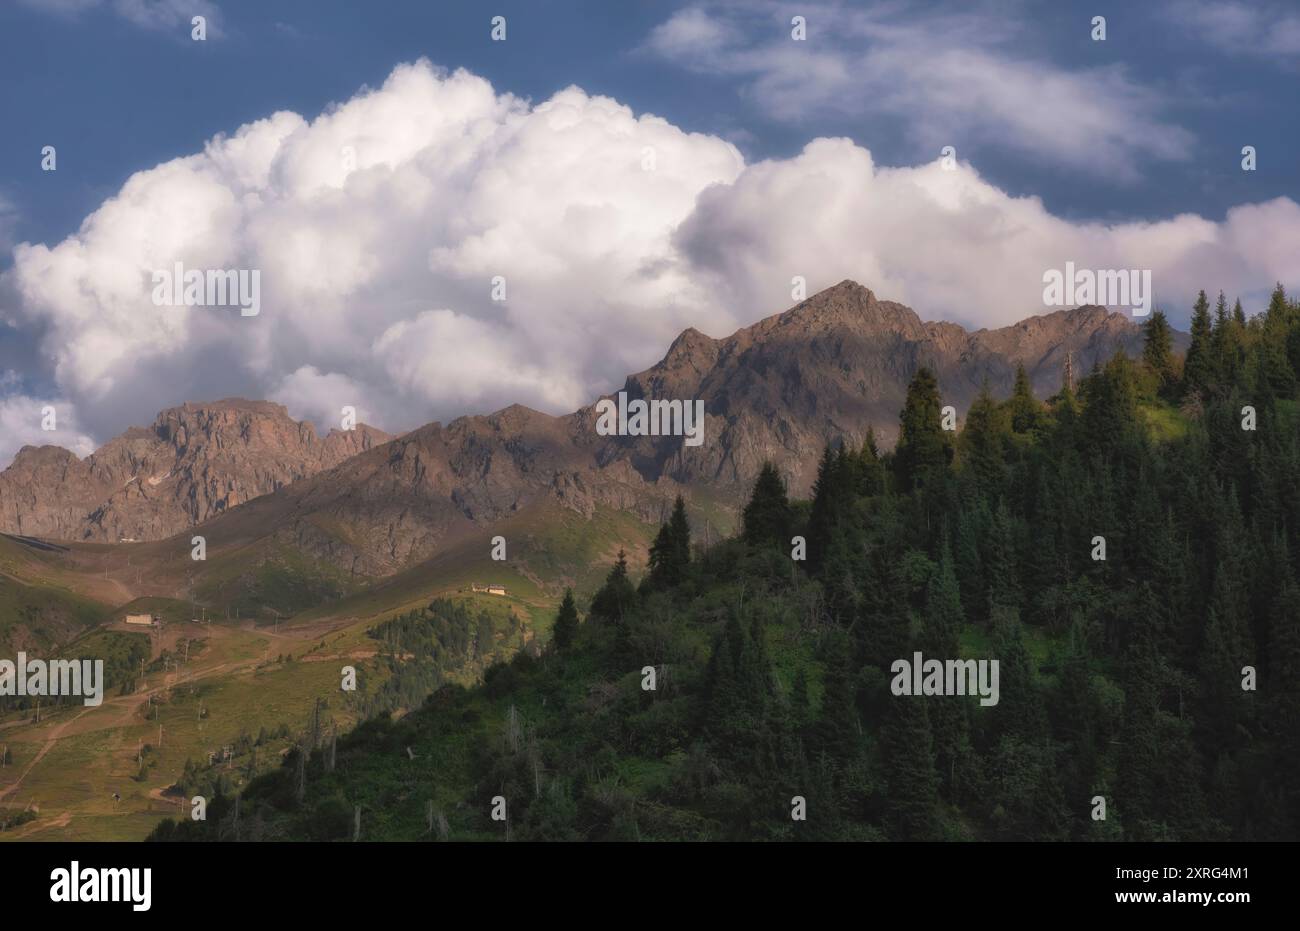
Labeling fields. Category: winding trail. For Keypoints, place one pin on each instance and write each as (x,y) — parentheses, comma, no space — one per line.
(124,708)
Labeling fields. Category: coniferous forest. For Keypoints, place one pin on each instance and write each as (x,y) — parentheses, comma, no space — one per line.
(1127,549)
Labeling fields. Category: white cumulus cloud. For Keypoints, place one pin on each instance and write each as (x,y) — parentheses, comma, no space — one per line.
(379,228)
(23,419)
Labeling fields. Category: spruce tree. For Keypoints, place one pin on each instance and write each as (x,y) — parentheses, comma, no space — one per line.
(670,554)
(616,595)
(833,495)
(1273,347)
(767,517)
(871,467)
(835,733)
(1025,410)
(566,622)
(910,780)
(1199,367)
(1158,349)
(981,441)
(942,622)
(924,447)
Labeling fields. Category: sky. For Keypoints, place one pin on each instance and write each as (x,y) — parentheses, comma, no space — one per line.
(615,171)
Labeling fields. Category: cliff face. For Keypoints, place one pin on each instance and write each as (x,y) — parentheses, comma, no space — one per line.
(838,363)
(826,369)
(194,462)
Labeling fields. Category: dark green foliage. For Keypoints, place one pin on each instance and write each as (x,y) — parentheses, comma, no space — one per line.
(910,780)
(1198,370)
(670,556)
(566,622)
(1026,412)
(924,448)
(1158,350)
(767,517)
(616,596)
(1120,678)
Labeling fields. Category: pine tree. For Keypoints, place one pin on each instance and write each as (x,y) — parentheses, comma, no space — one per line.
(661,564)
(1078,707)
(737,691)
(566,622)
(836,730)
(981,441)
(942,622)
(1000,561)
(870,466)
(823,511)
(1110,410)
(616,595)
(1198,370)
(1026,413)
(767,517)
(1273,346)
(910,780)
(924,448)
(1227,643)
(1158,349)
(833,495)
(670,555)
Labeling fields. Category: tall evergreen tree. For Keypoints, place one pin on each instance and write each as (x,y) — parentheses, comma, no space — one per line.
(910,779)
(566,622)
(1273,346)
(943,621)
(834,492)
(1198,370)
(837,732)
(616,595)
(981,441)
(1158,349)
(670,554)
(924,448)
(871,468)
(1026,413)
(767,517)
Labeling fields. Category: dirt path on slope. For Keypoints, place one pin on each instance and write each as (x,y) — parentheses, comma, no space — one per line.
(127,705)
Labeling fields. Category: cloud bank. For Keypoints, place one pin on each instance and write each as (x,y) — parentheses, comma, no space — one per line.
(383,227)
(961,78)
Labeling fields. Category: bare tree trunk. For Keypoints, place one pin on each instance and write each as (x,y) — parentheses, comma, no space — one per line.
(315,725)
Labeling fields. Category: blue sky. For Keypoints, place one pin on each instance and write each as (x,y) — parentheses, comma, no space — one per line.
(1123,152)
(115,96)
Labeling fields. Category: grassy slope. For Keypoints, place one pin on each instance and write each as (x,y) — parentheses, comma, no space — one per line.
(40,604)
(240,677)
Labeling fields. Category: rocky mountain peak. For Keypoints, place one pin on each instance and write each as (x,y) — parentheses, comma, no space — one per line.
(196,460)
(823,370)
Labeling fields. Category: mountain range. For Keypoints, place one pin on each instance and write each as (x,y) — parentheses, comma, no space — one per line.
(366,502)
